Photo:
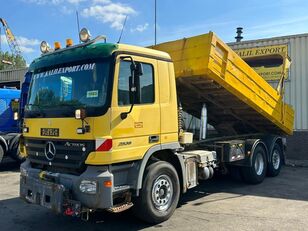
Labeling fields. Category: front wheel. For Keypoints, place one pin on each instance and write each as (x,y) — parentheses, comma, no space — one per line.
(160,193)
(255,174)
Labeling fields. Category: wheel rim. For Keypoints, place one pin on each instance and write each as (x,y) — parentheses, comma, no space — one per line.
(259,164)
(162,192)
(276,159)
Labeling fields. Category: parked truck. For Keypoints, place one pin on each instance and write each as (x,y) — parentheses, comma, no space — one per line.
(9,130)
(103,124)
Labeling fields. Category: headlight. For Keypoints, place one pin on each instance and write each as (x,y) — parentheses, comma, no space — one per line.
(84,35)
(88,186)
(16,116)
(25,129)
(44,47)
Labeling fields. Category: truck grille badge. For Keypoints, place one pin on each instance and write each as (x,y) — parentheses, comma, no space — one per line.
(50,151)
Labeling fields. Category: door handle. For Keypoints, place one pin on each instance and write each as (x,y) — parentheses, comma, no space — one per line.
(153,139)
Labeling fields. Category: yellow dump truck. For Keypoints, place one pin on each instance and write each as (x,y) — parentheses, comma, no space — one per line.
(103,125)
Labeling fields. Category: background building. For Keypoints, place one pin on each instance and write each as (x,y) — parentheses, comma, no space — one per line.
(12,78)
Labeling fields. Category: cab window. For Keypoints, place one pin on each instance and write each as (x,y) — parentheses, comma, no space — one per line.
(144,85)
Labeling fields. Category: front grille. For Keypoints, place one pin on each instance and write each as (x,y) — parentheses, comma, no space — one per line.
(70,155)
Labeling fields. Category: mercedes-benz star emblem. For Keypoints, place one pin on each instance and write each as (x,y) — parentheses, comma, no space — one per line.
(50,151)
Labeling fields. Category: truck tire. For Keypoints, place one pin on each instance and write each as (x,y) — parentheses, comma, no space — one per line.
(255,174)
(275,162)
(1,153)
(235,173)
(159,195)
(15,154)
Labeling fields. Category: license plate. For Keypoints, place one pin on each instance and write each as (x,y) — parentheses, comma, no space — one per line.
(49,131)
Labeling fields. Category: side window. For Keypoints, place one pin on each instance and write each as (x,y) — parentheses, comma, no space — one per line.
(3,106)
(144,85)
(123,84)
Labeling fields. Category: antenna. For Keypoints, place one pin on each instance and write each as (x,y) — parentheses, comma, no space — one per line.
(122,30)
(0,40)
(155,18)
(78,28)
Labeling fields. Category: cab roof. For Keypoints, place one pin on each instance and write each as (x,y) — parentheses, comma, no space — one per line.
(85,52)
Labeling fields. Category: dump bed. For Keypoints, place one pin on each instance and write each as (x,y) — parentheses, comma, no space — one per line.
(239,101)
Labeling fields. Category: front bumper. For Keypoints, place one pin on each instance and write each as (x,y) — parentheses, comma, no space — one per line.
(59,190)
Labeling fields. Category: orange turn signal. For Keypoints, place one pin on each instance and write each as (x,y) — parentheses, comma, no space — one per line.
(108,184)
(57,45)
(69,42)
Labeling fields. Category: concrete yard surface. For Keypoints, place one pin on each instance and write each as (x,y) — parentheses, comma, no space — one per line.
(279,203)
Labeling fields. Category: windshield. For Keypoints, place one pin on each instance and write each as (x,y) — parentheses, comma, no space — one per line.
(58,92)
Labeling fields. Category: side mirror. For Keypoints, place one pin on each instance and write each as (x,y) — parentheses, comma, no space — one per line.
(135,69)
(15,105)
(138,69)
(80,114)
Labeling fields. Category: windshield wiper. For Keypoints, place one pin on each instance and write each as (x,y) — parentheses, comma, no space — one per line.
(35,113)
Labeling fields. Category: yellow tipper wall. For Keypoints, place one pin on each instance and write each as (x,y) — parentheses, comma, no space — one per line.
(296,85)
(189,56)
(234,74)
(205,58)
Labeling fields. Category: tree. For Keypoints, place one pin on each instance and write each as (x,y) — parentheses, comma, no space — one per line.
(17,60)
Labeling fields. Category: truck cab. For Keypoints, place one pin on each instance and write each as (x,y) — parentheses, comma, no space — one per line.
(94,112)
(9,103)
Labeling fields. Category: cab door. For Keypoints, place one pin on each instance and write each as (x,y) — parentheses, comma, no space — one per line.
(140,130)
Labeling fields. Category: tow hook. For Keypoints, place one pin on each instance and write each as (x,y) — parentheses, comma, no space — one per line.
(85,214)
(69,212)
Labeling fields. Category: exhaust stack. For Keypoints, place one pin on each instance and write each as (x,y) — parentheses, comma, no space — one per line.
(203,123)
(239,36)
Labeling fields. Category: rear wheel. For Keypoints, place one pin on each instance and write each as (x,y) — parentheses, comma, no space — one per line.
(275,163)
(256,173)
(1,153)
(16,155)
(160,193)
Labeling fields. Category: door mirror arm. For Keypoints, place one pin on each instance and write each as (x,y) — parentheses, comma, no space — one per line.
(133,69)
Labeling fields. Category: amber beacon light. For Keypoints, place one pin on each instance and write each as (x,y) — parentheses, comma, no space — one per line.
(57,45)
(69,42)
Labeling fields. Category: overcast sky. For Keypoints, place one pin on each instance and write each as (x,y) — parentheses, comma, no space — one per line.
(55,20)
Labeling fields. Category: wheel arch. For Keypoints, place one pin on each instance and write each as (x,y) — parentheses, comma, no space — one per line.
(256,143)
(164,152)
(270,142)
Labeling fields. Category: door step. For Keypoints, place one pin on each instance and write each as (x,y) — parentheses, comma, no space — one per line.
(120,207)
